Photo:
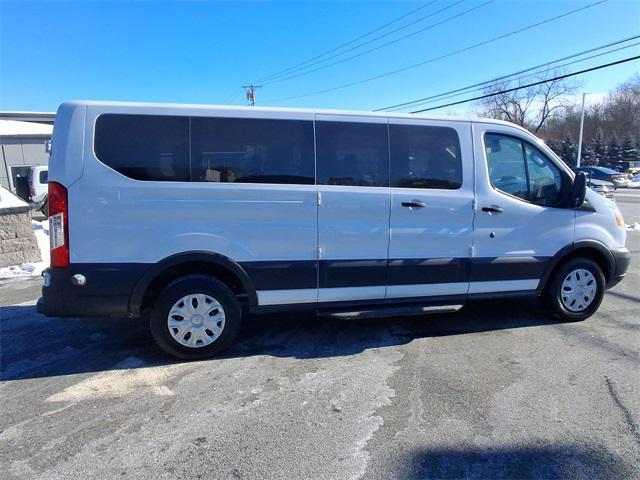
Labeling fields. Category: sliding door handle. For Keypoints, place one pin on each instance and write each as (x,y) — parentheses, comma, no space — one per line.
(493,209)
(414,203)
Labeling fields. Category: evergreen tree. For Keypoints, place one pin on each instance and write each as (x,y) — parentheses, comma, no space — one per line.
(589,158)
(568,151)
(599,149)
(629,152)
(614,151)
(553,145)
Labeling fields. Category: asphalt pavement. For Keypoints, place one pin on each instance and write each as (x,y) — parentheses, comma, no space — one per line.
(498,390)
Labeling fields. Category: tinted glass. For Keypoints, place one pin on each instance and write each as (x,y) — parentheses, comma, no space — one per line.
(545,181)
(425,157)
(44,176)
(144,147)
(252,150)
(505,159)
(352,154)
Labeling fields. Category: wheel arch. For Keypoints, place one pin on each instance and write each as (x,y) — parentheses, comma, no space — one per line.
(220,266)
(592,249)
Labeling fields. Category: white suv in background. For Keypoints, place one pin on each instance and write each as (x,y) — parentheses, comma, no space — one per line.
(38,181)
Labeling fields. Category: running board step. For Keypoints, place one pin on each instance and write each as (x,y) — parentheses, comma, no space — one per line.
(396,311)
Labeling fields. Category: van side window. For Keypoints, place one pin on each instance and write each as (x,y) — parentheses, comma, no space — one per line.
(44,176)
(252,150)
(144,147)
(518,168)
(352,154)
(425,157)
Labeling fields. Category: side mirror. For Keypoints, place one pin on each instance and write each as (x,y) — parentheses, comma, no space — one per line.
(578,190)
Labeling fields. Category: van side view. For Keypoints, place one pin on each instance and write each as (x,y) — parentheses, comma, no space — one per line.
(191,215)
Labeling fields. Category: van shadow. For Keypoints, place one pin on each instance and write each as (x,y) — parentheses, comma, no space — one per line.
(33,346)
(522,462)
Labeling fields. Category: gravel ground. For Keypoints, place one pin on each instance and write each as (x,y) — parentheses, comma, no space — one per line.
(498,390)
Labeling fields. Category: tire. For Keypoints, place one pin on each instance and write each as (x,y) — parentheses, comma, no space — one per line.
(565,302)
(198,300)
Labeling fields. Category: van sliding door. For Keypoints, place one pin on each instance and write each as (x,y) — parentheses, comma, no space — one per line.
(353,212)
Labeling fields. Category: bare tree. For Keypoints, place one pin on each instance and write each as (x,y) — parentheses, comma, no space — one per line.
(530,107)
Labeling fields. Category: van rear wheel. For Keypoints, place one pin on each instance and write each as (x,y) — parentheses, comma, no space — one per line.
(576,291)
(195,317)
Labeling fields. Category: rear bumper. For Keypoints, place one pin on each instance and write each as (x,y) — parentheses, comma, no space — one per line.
(106,291)
(622,259)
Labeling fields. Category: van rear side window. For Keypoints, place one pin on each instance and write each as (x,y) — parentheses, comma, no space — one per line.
(354,154)
(252,150)
(144,147)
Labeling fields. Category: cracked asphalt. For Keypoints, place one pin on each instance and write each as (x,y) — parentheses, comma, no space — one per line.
(498,390)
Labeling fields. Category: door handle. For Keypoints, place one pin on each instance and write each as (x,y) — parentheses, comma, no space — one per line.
(414,203)
(493,209)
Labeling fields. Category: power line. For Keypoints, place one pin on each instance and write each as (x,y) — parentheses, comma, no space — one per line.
(232,95)
(434,59)
(513,89)
(429,27)
(347,43)
(462,90)
(538,73)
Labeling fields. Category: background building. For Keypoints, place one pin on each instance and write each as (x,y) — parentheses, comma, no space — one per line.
(24,137)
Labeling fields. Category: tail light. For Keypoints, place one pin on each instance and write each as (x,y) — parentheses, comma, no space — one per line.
(58,225)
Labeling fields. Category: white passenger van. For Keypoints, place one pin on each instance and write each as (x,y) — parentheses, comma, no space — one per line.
(186,214)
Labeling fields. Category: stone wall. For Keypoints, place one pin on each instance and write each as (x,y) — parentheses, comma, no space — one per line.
(17,240)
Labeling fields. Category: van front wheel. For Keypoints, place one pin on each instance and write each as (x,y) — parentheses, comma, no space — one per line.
(195,317)
(576,291)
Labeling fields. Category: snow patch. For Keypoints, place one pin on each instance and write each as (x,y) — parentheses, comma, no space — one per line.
(128,377)
(634,227)
(41,230)
(9,200)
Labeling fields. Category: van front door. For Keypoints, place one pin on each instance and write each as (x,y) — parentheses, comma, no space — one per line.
(431,208)
(352,155)
(519,223)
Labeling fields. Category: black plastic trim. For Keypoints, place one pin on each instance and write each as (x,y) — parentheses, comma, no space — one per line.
(282,275)
(352,273)
(137,295)
(579,245)
(622,258)
(487,269)
(105,292)
(415,271)
(386,302)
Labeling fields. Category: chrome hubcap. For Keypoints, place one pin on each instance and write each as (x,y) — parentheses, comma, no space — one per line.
(196,320)
(578,290)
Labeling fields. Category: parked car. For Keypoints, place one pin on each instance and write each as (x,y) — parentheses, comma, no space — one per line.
(38,181)
(635,182)
(606,189)
(186,214)
(618,179)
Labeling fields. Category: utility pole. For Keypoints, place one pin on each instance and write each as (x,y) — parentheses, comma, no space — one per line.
(584,94)
(251,93)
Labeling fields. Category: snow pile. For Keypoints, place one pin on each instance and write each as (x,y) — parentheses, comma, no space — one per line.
(634,227)
(41,230)
(9,200)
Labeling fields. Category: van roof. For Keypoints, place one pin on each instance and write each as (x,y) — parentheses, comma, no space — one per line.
(186,106)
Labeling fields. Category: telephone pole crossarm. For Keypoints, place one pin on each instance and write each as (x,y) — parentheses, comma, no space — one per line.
(251,93)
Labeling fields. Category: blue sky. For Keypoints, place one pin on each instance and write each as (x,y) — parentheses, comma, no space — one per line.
(201,52)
